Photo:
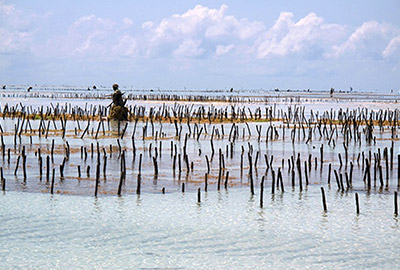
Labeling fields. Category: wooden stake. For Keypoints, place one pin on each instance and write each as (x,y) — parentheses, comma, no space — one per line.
(324,200)
(357,205)
(52,181)
(205,181)
(198,196)
(262,192)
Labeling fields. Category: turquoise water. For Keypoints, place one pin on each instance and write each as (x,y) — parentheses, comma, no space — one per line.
(227,230)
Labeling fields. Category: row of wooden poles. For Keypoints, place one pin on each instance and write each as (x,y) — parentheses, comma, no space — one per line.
(222,96)
(377,168)
(353,125)
(366,159)
(270,133)
(3,183)
(325,123)
(357,203)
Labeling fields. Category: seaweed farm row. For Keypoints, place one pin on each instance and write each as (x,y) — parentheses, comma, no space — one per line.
(199,185)
(68,93)
(171,147)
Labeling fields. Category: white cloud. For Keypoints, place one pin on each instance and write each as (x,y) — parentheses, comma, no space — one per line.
(15,29)
(7,10)
(287,37)
(94,36)
(189,48)
(220,24)
(126,46)
(367,36)
(221,49)
(392,47)
(13,41)
(147,25)
(127,21)
(201,31)
(193,33)
(87,34)
(199,23)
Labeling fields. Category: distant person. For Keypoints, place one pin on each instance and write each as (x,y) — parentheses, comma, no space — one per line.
(117,96)
(29,89)
(118,110)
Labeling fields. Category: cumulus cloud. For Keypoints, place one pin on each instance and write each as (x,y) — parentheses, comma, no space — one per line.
(287,37)
(13,41)
(128,21)
(198,32)
(221,49)
(199,23)
(205,21)
(15,31)
(94,36)
(366,37)
(392,47)
(7,10)
(126,46)
(189,48)
(87,34)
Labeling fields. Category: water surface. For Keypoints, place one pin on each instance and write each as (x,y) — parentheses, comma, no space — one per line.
(227,230)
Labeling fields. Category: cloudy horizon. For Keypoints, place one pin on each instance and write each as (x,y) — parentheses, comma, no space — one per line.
(201,45)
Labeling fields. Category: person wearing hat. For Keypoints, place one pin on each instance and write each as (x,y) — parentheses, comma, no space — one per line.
(118,110)
(117,96)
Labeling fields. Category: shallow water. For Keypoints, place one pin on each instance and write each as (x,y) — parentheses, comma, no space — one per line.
(318,101)
(227,230)
(280,148)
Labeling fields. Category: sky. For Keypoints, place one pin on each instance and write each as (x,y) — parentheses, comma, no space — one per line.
(175,44)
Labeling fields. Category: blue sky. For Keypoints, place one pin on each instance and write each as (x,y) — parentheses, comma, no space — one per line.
(202,44)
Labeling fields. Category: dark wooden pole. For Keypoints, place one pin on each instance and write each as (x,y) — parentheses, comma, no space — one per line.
(357,205)
(198,195)
(324,200)
(262,192)
(52,181)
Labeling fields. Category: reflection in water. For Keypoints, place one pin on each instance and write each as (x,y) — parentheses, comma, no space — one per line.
(120,200)
(138,200)
(261,220)
(356,223)
(324,221)
(117,126)
(396,222)
(220,197)
(300,195)
(97,205)
(155,180)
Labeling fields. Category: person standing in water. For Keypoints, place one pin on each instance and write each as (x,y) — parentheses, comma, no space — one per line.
(118,110)
(117,96)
